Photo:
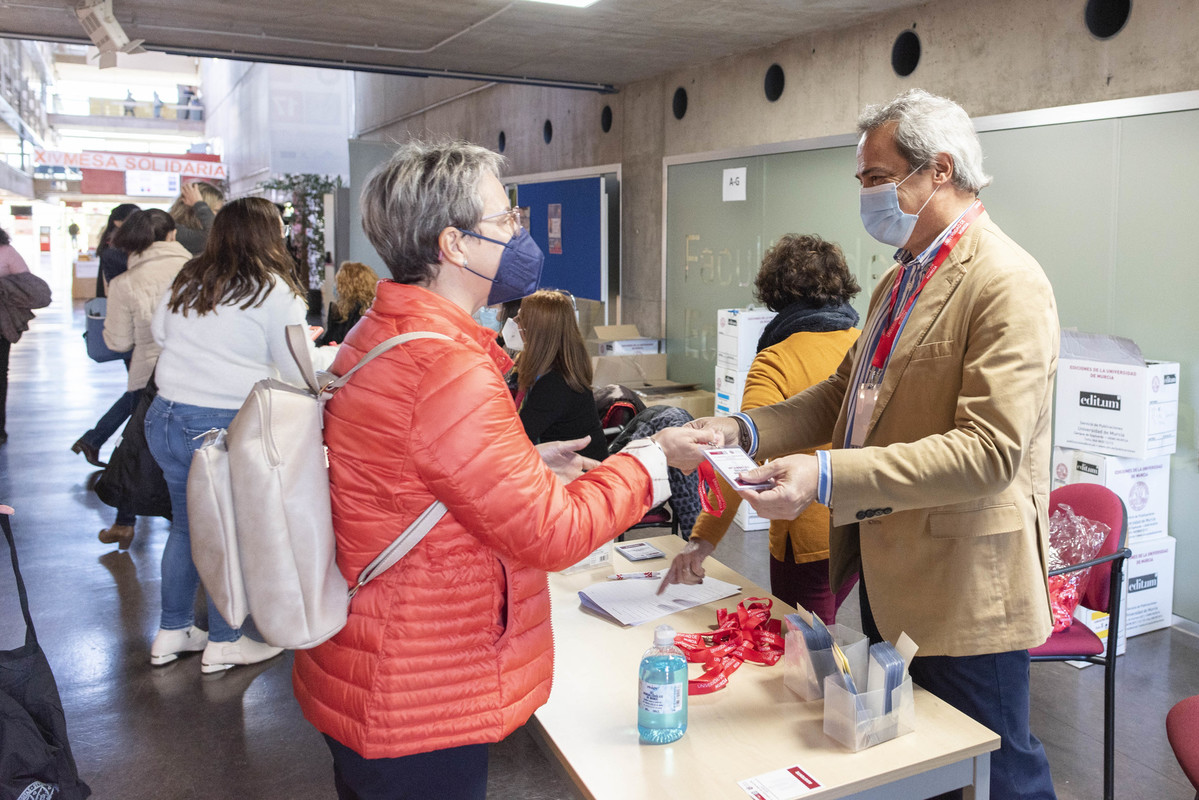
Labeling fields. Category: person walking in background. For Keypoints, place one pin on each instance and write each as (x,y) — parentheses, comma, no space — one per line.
(73,232)
(806,280)
(157,106)
(130,104)
(221,327)
(113,262)
(20,292)
(553,373)
(356,284)
(194,211)
(133,296)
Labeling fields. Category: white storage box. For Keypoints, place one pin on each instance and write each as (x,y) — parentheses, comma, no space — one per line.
(737,334)
(748,520)
(1149,603)
(1111,401)
(621,340)
(730,390)
(1142,483)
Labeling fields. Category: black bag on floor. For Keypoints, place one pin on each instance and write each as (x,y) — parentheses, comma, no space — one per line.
(35,758)
(133,478)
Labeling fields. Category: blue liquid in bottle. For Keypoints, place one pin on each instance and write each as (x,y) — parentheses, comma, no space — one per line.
(662,692)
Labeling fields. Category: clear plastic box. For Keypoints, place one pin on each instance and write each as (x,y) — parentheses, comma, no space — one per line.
(804,671)
(857,720)
(597,558)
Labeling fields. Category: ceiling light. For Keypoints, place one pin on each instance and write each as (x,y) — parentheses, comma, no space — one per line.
(571,3)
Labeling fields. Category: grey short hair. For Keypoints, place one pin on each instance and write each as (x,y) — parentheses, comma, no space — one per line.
(424,188)
(928,125)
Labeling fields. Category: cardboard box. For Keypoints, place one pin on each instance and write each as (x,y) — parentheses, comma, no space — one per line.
(1149,603)
(627,370)
(621,340)
(1097,621)
(83,278)
(696,402)
(730,390)
(1143,485)
(1111,401)
(737,334)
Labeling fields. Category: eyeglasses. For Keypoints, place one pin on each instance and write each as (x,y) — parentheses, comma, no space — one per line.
(511,217)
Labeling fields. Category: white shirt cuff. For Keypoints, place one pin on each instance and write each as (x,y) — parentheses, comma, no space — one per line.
(650,454)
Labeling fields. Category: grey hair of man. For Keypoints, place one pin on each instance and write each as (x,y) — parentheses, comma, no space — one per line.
(424,188)
(928,125)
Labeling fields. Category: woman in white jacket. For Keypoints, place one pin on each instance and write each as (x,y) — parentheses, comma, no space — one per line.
(222,329)
(155,258)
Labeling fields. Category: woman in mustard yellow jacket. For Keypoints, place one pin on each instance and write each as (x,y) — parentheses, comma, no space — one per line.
(805,279)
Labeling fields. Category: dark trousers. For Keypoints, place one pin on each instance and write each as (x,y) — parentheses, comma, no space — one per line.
(5,347)
(456,773)
(991,689)
(806,585)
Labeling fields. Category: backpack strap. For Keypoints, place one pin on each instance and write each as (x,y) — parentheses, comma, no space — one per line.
(400,547)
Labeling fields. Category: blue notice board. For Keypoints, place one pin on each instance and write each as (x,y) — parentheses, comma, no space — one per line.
(574,246)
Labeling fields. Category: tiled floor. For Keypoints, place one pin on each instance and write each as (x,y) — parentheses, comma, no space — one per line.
(147,734)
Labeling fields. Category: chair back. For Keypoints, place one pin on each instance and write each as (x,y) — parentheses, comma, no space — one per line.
(1098,503)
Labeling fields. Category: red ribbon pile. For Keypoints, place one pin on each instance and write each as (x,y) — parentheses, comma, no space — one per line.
(746,634)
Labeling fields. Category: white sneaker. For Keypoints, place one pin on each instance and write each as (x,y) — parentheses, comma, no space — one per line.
(169,644)
(219,656)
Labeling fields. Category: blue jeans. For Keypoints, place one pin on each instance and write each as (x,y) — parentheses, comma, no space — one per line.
(991,689)
(113,418)
(171,433)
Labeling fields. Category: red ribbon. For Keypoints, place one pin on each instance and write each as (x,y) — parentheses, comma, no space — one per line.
(745,634)
(707,482)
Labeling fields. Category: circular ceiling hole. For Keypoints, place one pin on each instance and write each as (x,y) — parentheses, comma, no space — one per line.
(606,119)
(679,104)
(905,53)
(547,131)
(773,85)
(1106,18)
(502,142)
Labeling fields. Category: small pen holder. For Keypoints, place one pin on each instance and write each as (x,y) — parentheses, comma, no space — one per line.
(805,668)
(858,721)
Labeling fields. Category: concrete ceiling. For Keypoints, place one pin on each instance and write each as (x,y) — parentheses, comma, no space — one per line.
(612,43)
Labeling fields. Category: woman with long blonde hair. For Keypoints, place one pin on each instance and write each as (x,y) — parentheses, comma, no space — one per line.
(355,292)
(553,374)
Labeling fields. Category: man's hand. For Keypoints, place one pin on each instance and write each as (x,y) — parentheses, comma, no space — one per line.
(683,446)
(687,566)
(562,458)
(190,194)
(796,480)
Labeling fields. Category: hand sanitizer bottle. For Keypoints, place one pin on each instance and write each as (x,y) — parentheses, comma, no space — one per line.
(662,697)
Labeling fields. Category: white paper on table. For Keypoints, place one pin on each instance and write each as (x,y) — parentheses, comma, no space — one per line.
(782,784)
(635,602)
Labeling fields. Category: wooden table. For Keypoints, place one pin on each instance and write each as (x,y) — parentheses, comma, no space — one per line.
(753,726)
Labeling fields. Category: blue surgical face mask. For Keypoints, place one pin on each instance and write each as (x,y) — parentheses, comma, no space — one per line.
(488,317)
(519,273)
(883,218)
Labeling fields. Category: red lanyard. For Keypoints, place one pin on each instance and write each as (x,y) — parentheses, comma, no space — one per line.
(746,634)
(707,481)
(886,342)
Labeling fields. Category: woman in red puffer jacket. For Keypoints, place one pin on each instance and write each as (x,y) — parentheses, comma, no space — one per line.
(450,649)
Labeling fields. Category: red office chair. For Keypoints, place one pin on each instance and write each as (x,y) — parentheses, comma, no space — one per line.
(1182,729)
(1102,591)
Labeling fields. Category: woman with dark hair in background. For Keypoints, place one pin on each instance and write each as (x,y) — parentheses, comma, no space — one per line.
(553,373)
(154,259)
(20,293)
(805,279)
(355,292)
(221,327)
(113,262)
(194,211)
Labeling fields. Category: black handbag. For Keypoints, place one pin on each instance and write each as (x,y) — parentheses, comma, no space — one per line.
(133,479)
(35,757)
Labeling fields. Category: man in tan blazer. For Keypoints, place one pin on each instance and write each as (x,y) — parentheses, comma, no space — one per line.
(938,482)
